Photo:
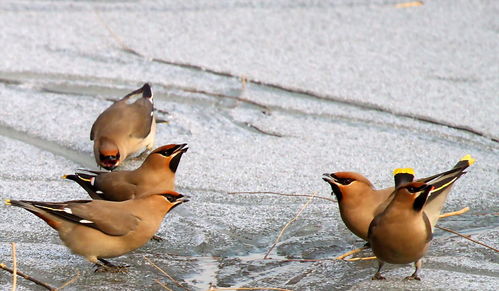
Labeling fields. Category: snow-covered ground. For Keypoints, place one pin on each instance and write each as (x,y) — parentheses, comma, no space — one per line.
(364,79)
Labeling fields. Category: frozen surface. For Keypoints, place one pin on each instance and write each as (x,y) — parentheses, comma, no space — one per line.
(63,63)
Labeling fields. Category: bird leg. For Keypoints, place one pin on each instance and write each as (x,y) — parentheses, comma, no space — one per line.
(349,253)
(415,276)
(157,238)
(378,276)
(106,266)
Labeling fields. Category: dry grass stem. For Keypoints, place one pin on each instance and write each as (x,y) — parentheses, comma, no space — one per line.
(409,4)
(38,282)
(282,194)
(163,285)
(341,257)
(289,223)
(459,212)
(262,130)
(164,273)
(305,260)
(214,94)
(466,237)
(212,288)
(71,281)
(14,265)
(360,259)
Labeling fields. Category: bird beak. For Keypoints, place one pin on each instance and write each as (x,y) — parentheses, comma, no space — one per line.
(180,200)
(177,155)
(180,148)
(330,178)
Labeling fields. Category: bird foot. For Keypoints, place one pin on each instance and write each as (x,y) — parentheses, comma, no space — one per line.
(412,277)
(378,276)
(156,238)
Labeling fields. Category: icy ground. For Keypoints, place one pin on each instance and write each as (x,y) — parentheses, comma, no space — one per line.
(371,87)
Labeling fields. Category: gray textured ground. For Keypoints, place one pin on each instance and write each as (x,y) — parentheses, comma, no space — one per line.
(374,73)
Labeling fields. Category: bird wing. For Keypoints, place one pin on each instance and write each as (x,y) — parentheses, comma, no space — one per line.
(105,216)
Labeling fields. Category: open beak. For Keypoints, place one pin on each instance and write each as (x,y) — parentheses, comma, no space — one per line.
(180,148)
(330,178)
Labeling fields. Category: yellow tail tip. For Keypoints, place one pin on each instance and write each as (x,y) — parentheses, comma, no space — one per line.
(7,202)
(64,176)
(403,171)
(468,158)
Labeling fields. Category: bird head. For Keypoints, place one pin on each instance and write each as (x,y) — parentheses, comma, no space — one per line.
(170,154)
(415,193)
(109,154)
(344,184)
(174,198)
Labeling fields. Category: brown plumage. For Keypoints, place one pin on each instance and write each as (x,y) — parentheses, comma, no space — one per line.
(124,129)
(402,233)
(97,229)
(155,175)
(359,202)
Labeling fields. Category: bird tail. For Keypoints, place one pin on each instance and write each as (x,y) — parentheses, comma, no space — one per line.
(442,184)
(30,206)
(86,182)
(145,90)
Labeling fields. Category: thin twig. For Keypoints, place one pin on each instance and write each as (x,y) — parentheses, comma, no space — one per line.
(38,282)
(409,4)
(248,288)
(288,224)
(459,212)
(164,273)
(360,259)
(71,281)
(262,131)
(14,264)
(303,260)
(486,214)
(200,91)
(163,285)
(466,237)
(282,194)
(341,257)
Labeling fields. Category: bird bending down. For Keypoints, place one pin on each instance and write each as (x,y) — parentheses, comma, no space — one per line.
(359,202)
(155,175)
(124,129)
(402,233)
(98,229)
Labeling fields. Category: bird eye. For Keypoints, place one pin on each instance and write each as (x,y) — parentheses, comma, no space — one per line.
(170,198)
(412,189)
(347,181)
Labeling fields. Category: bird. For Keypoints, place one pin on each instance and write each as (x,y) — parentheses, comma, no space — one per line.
(401,234)
(359,202)
(124,129)
(98,229)
(156,174)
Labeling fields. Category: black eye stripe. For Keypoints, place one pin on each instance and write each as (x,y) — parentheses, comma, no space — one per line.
(413,189)
(167,152)
(345,181)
